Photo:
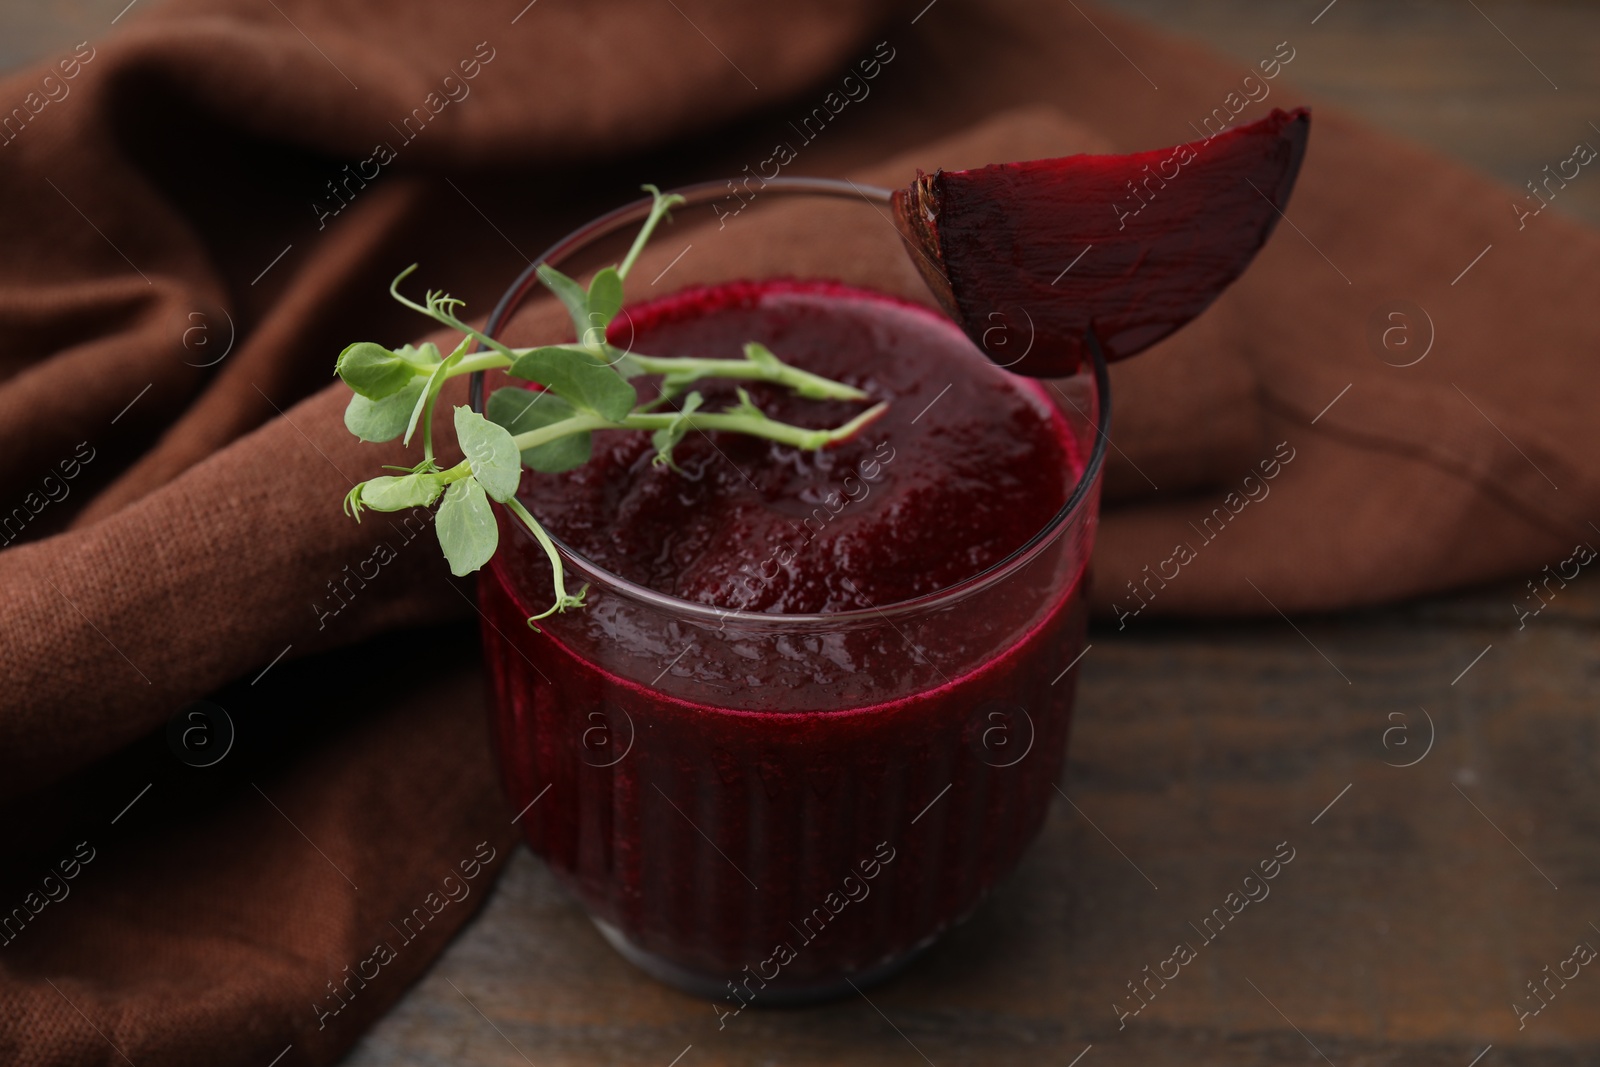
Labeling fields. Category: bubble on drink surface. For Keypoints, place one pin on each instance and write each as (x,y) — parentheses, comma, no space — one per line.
(201,734)
(1000,733)
(1400,333)
(607,736)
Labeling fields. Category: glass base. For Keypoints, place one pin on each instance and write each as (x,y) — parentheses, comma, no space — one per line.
(711,988)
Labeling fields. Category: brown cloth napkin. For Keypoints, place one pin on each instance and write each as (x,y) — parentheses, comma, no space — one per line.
(199,212)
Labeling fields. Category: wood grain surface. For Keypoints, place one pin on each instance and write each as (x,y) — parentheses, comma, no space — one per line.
(1420,898)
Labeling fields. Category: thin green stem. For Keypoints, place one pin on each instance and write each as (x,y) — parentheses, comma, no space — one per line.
(394,290)
(564,600)
(690,369)
(754,425)
(485,361)
(658,211)
(444,317)
(811,385)
(501,355)
(427,430)
(435,386)
(760,426)
(565,428)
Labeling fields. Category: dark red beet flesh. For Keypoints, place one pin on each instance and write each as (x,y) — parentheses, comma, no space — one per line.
(1032,257)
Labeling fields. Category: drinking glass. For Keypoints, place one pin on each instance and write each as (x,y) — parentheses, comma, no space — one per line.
(764,807)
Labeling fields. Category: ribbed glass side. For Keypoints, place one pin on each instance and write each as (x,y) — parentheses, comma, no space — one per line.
(781,850)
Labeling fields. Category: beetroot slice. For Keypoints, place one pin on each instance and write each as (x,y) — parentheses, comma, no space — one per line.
(1030,258)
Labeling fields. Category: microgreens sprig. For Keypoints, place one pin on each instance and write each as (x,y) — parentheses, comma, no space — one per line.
(585,387)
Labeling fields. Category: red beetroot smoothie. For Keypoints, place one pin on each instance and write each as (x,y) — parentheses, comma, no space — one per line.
(772,809)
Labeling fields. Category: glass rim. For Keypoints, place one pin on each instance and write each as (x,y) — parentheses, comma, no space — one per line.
(698,195)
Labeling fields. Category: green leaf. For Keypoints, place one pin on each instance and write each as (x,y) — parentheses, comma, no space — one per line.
(605,298)
(490,452)
(668,438)
(373,371)
(382,420)
(399,493)
(571,295)
(621,361)
(521,410)
(466,527)
(435,382)
(424,357)
(581,377)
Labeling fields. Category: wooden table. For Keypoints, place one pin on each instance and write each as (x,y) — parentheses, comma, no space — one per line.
(1420,898)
